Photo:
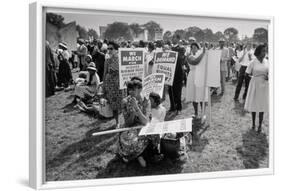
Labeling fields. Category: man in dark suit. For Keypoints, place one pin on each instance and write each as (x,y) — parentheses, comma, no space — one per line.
(176,88)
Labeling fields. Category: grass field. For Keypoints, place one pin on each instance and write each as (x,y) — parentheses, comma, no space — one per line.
(228,144)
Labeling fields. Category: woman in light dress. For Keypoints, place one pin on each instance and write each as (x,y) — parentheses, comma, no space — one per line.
(257,97)
(194,93)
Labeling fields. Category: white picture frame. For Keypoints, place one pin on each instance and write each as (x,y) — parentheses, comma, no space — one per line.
(36,99)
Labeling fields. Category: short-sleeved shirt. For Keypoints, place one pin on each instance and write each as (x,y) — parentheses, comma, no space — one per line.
(249,56)
(158,115)
(224,59)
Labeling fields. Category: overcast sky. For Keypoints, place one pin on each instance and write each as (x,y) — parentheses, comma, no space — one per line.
(94,19)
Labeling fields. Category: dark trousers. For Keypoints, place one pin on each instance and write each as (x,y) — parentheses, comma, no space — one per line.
(175,96)
(241,78)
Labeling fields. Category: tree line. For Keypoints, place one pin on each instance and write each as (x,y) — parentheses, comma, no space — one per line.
(125,31)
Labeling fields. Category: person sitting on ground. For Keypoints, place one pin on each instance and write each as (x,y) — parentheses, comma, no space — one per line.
(135,112)
(158,111)
(100,109)
(87,92)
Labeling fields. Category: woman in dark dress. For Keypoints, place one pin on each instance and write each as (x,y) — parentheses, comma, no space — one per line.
(64,74)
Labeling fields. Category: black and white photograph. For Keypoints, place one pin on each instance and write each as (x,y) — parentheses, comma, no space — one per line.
(130,94)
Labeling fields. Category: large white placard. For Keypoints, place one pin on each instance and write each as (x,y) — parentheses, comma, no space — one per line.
(213,75)
(153,83)
(131,64)
(165,62)
(175,126)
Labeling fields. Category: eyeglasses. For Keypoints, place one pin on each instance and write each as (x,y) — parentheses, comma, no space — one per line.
(110,48)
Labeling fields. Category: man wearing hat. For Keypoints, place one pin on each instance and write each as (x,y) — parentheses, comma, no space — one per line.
(223,64)
(64,73)
(176,89)
(82,52)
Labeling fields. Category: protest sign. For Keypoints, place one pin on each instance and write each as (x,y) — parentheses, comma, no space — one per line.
(211,71)
(153,83)
(213,74)
(131,63)
(175,126)
(165,62)
(200,71)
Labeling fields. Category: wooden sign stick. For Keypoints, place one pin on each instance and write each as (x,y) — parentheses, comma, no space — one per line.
(115,131)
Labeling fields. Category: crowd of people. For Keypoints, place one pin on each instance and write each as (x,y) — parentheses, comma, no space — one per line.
(98,79)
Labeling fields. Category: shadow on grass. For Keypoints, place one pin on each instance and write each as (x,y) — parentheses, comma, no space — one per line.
(117,168)
(68,108)
(86,148)
(239,108)
(254,149)
(215,99)
(198,143)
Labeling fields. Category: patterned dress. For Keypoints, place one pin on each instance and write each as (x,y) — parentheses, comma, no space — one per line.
(130,145)
(111,83)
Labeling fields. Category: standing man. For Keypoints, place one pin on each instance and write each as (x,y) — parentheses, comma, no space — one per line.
(223,64)
(244,60)
(229,62)
(175,89)
(99,59)
(82,52)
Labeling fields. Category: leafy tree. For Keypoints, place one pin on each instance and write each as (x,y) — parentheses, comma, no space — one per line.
(136,28)
(208,35)
(82,32)
(55,19)
(195,32)
(260,35)
(151,27)
(167,36)
(93,33)
(217,36)
(180,33)
(231,34)
(199,36)
(118,30)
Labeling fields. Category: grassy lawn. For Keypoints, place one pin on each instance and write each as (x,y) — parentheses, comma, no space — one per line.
(228,144)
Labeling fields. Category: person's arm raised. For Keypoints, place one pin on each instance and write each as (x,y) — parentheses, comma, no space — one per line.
(195,61)
(143,119)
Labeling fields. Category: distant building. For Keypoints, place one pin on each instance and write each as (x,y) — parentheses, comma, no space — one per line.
(158,34)
(102,31)
(142,35)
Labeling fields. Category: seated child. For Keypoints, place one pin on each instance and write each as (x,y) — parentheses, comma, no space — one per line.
(158,111)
